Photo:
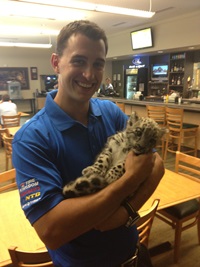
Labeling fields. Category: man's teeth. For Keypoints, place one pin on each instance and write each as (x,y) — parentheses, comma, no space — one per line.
(85,85)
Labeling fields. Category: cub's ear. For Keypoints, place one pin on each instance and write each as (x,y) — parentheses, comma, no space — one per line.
(132,119)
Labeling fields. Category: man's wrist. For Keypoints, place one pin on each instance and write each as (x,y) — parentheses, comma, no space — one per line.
(133,214)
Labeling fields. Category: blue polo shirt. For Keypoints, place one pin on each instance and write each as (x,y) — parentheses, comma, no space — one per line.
(50,150)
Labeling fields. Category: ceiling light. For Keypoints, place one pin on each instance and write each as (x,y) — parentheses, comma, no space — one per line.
(34,10)
(27,31)
(31,45)
(91,7)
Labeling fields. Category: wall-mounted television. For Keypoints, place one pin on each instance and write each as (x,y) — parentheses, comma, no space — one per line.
(48,82)
(142,38)
(159,72)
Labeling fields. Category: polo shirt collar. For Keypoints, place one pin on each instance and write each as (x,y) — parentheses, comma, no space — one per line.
(61,119)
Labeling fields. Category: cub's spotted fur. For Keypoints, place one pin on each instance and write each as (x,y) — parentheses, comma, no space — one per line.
(141,135)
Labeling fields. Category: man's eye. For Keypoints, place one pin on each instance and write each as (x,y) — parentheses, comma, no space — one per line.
(99,65)
(78,62)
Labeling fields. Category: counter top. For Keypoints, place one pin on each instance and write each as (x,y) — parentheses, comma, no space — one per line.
(186,105)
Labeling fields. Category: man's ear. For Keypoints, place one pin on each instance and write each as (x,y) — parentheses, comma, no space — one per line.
(54,62)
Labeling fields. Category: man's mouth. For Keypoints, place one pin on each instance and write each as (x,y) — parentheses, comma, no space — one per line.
(85,85)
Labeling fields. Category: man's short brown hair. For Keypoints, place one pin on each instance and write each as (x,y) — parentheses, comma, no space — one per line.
(85,27)
(6,97)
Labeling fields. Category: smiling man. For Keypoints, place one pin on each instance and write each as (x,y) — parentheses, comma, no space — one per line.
(61,140)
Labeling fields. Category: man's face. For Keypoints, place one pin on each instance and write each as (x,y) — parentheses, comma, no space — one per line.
(81,67)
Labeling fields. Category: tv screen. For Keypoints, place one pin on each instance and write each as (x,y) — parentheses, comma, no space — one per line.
(50,81)
(159,72)
(142,38)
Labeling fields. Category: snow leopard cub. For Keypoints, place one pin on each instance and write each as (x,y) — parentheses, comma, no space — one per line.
(141,135)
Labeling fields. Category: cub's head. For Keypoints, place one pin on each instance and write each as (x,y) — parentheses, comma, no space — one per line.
(143,133)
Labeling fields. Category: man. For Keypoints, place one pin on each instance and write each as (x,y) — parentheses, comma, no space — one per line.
(64,138)
(109,90)
(7,107)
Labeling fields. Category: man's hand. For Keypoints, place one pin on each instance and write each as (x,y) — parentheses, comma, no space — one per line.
(145,190)
(139,167)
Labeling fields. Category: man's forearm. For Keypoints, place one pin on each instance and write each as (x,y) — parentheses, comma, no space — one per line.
(147,188)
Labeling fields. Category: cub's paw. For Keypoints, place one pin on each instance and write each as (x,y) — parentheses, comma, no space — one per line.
(84,186)
(89,171)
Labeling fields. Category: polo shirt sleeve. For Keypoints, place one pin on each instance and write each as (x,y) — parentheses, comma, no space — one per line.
(39,181)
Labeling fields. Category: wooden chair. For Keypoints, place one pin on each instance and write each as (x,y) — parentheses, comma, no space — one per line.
(22,258)
(187,214)
(121,106)
(145,222)
(5,177)
(3,131)
(179,132)
(8,150)
(11,120)
(158,114)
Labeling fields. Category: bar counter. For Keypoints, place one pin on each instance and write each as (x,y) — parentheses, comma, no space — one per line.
(187,104)
(191,110)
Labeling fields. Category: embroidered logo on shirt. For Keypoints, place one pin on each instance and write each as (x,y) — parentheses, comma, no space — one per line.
(29,192)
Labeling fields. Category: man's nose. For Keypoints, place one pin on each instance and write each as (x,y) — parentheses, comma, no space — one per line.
(88,73)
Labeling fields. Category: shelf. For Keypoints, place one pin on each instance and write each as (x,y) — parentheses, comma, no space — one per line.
(175,85)
(158,83)
(177,59)
(176,72)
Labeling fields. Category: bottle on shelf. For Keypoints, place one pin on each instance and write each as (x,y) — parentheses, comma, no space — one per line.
(172,81)
(175,68)
(179,80)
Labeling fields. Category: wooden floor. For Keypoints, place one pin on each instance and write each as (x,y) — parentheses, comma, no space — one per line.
(161,232)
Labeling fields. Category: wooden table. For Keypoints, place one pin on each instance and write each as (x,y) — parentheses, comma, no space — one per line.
(24,114)
(16,230)
(13,130)
(173,189)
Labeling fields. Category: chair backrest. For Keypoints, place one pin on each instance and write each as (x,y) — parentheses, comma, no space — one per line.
(188,166)
(157,113)
(8,144)
(5,177)
(121,106)
(3,132)
(22,258)
(174,119)
(145,222)
(11,120)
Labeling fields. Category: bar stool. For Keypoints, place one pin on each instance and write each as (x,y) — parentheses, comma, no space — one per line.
(158,114)
(179,132)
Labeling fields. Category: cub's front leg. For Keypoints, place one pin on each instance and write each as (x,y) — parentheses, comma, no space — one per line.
(101,164)
(93,178)
(115,172)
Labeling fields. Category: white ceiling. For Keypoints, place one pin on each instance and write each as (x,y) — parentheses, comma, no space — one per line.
(111,23)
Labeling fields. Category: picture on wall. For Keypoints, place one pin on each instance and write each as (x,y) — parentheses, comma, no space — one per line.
(12,75)
(34,73)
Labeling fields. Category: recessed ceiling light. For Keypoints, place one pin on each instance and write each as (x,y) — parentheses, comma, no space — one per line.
(191,47)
